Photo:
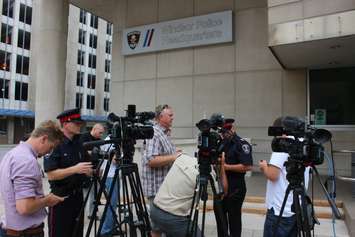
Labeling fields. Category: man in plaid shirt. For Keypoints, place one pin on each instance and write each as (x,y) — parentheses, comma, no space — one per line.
(158,155)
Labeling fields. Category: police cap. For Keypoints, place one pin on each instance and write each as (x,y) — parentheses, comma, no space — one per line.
(70,115)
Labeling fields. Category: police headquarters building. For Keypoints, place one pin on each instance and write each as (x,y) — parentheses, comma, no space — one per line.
(254,60)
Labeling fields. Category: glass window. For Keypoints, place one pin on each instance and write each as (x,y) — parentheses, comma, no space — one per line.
(82,34)
(4,88)
(81,57)
(8,8)
(24,39)
(94,21)
(5,60)
(106,104)
(91,81)
(82,16)
(90,102)
(25,14)
(109,28)
(3,126)
(79,78)
(107,66)
(331,96)
(108,47)
(79,100)
(92,60)
(22,64)
(107,85)
(21,91)
(6,33)
(93,41)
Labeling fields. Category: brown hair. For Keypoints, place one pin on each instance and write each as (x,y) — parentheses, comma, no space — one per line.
(49,128)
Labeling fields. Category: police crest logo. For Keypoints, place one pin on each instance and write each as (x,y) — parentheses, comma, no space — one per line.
(246,148)
(133,39)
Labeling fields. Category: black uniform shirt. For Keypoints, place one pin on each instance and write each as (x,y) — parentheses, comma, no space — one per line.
(237,151)
(67,154)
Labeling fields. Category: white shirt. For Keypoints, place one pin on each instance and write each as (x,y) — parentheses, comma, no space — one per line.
(176,192)
(275,191)
(107,148)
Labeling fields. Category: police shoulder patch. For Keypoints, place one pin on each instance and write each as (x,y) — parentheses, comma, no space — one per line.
(246,148)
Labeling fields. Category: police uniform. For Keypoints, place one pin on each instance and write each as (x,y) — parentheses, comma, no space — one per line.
(237,151)
(62,218)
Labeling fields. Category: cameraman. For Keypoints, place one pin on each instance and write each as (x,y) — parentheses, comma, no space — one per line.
(277,184)
(238,160)
(95,134)
(159,154)
(171,207)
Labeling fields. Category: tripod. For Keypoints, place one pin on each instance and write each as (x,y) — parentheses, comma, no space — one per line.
(200,194)
(132,208)
(301,205)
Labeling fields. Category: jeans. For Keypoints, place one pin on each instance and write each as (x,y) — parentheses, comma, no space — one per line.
(2,232)
(286,227)
(109,223)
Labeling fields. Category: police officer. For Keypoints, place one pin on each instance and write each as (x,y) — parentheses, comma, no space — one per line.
(238,160)
(66,169)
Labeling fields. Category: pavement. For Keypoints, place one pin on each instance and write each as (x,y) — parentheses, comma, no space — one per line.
(253,223)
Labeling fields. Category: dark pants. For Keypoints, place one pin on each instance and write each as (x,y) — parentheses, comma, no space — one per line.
(286,228)
(232,208)
(63,219)
(3,234)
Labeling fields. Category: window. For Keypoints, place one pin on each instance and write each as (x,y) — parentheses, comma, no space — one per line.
(94,21)
(22,64)
(91,81)
(79,100)
(6,33)
(82,16)
(109,28)
(24,39)
(93,41)
(106,104)
(82,34)
(107,66)
(21,91)
(8,8)
(5,60)
(81,57)
(107,85)
(25,14)
(79,78)
(331,96)
(108,47)
(92,60)
(4,88)
(90,102)
(3,126)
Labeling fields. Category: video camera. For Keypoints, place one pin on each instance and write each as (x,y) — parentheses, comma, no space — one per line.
(210,145)
(306,144)
(133,126)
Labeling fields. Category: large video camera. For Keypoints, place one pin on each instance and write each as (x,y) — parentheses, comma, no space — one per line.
(133,126)
(305,144)
(210,144)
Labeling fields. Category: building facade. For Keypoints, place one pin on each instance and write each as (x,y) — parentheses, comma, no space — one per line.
(88,63)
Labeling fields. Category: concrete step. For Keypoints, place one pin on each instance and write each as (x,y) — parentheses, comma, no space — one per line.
(256,205)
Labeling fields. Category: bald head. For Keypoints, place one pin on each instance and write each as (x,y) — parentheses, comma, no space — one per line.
(97,130)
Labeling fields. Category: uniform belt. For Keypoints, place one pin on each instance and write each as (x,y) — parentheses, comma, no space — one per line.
(29,231)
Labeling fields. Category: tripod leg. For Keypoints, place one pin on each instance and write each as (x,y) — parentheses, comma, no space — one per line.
(276,226)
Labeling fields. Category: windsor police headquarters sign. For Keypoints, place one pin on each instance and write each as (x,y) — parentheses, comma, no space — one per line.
(188,32)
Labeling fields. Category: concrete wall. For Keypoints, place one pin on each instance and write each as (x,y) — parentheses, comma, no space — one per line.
(240,79)
(290,10)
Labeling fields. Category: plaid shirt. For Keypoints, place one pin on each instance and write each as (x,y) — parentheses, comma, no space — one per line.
(160,144)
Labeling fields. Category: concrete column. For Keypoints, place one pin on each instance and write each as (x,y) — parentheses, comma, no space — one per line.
(10,130)
(49,53)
